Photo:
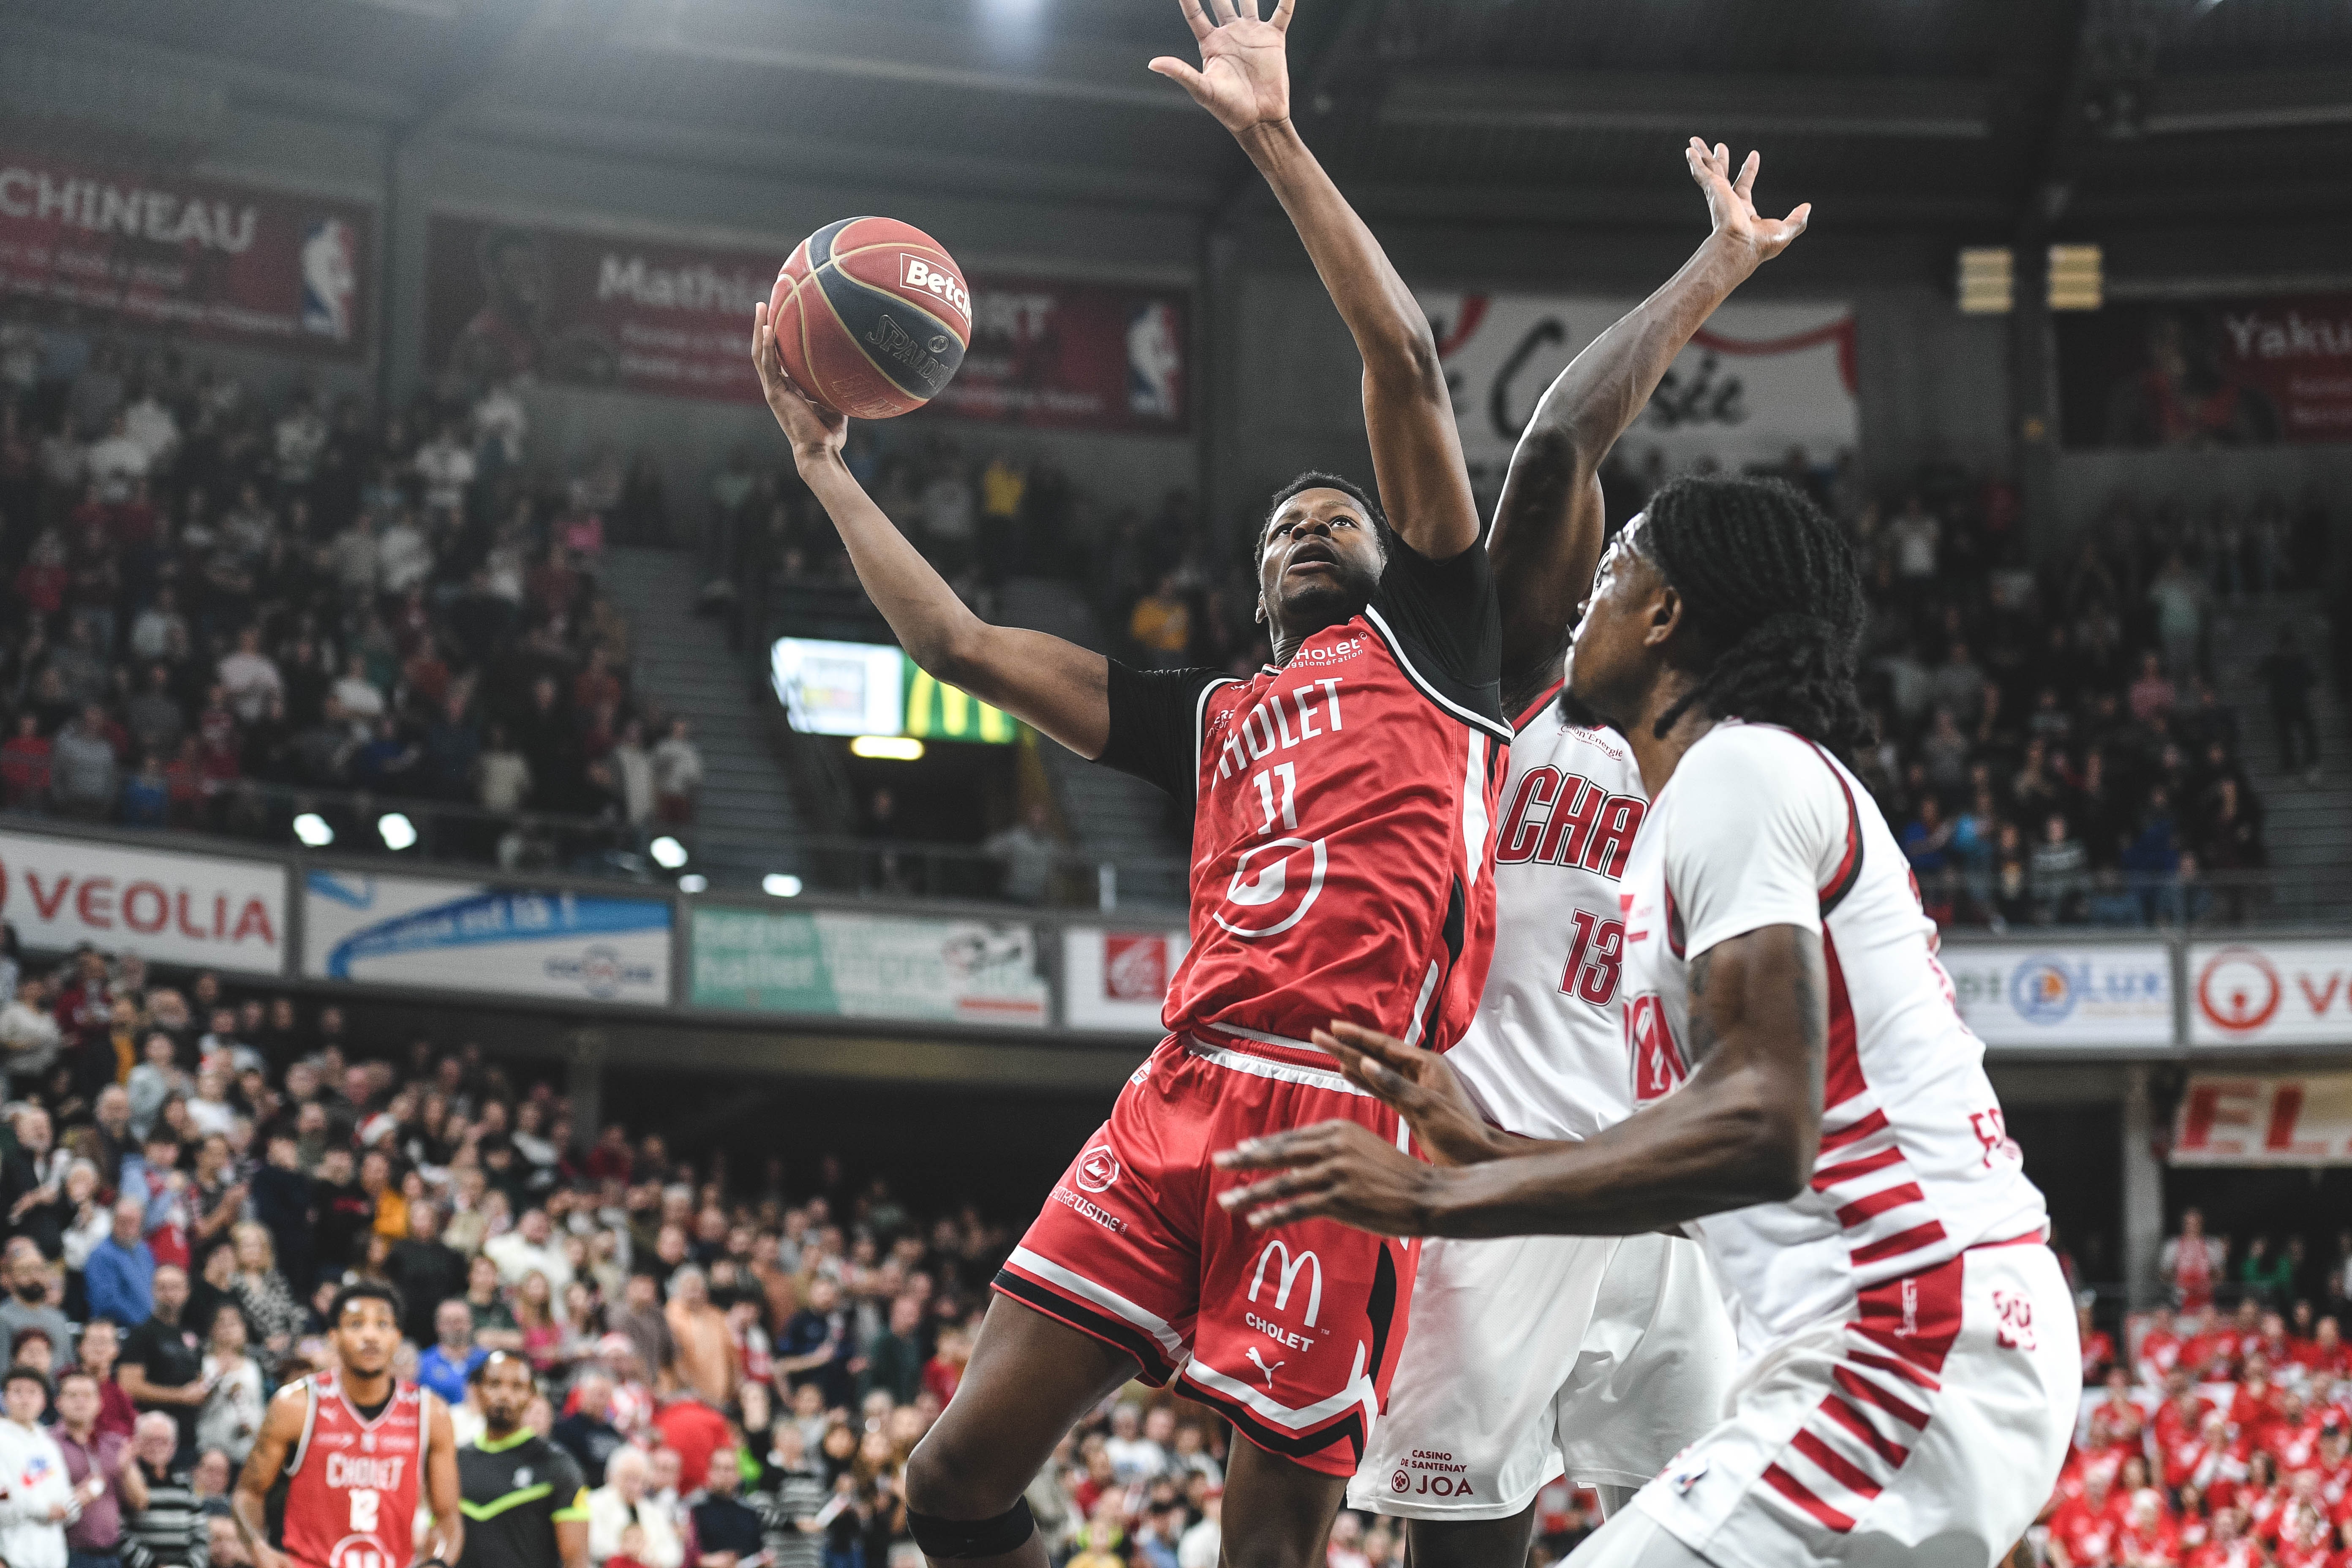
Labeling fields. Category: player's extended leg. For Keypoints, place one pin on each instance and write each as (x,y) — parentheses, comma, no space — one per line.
(1030,1378)
(1276,1512)
(1491,1543)
(1472,1543)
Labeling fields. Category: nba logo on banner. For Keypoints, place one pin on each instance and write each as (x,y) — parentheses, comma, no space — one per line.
(1135,968)
(1155,363)
(330,280)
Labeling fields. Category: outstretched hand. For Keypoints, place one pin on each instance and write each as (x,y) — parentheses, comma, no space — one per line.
(1419,1086)
(1245,74)
(1731,201)
(1333,1170)
(814,430)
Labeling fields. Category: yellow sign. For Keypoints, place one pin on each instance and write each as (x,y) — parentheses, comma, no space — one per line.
(938,712)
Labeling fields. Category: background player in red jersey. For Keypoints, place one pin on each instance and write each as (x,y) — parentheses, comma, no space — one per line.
(1342,824)
(351,1443)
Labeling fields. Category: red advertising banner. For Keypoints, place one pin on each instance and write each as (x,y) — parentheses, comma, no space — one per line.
(585,309)
(2211,372)
(2298,1119)
(233,263)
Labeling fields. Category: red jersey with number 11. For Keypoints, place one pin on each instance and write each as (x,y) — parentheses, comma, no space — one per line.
(351,1485)
(1343,811)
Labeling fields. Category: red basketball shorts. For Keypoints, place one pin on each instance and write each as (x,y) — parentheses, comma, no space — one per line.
(1292,1335)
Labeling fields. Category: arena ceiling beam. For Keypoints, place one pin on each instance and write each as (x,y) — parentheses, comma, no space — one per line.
(828,162)
(868,43)
(2247,100)
(1926,109)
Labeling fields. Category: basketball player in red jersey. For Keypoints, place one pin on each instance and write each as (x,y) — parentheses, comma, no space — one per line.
(1342,801)
(351,1443)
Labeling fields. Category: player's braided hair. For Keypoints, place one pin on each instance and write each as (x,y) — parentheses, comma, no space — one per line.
(1771,582)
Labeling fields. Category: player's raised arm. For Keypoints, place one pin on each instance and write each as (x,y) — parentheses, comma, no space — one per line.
(1743,1130)
(1244,80)
(1060,686)
(248,1505)
(1548,525)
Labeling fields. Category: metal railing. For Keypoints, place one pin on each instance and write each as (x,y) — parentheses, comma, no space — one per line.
(2125,901)
(355,821)
(457,833)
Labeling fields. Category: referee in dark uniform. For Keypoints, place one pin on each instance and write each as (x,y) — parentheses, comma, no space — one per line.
(525,1501)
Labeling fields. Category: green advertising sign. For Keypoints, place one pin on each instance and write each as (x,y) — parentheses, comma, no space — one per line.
(845,965)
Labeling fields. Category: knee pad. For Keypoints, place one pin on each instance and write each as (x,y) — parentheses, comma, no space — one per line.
(952,1538)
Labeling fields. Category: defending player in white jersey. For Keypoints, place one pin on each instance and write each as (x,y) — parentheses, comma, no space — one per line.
(1603,1355)
(1811,1106)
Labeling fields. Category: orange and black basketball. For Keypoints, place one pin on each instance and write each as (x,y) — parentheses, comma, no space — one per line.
(872,316)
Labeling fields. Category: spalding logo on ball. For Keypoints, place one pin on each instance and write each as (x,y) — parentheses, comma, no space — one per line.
(872,317)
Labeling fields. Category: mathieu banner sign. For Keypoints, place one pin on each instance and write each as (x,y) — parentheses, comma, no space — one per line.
(201,910)
(586,309)
(2269,993)
(234,263)
(2304,1120)
(1755,380)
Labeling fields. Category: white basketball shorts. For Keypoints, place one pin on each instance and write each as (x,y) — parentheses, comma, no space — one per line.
(1603,1355)
(1926,1433)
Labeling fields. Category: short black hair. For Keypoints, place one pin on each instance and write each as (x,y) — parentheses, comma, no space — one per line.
(20,1372)
(1317,479)
(481,1369)
(1771,583)
(364,1290)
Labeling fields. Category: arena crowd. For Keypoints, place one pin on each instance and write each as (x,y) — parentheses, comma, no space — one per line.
(2219,1434)
(188,1170)
(213,600)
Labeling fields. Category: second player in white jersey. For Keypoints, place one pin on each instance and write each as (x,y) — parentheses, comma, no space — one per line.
(1546,1055)
(1530,1356)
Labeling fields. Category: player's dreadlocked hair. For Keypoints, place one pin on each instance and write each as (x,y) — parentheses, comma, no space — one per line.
(1771,582)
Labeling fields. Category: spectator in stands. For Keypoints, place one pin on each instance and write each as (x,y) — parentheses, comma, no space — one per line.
(99,1350)
(450,1360)
(1026,850)
(706,1363)
(894,1358)
(40,1500)
(120,1269)
(678,774)
(425,1270)
(624,1502)
(83,768)
(2192,1263)
(726,1530)
(2058,871)
(1162,625)
(2288,678)
(163,1365)
(167,1530)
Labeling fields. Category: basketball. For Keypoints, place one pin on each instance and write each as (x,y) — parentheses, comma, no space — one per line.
(871,316)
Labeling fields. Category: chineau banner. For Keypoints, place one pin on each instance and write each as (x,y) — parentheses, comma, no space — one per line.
(234,263)
(587,309)
(2215,373)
